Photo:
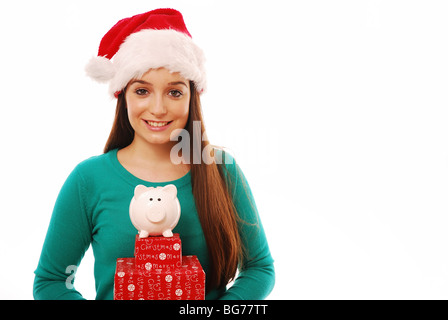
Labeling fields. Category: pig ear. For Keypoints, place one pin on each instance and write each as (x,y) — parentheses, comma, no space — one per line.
(139,190)
(171,190)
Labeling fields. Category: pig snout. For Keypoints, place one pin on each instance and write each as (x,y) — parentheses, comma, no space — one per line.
(156,214)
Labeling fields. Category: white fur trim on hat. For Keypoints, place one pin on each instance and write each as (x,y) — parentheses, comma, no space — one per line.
(150,49)
(100,69)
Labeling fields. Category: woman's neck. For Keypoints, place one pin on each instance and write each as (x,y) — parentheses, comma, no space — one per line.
(149,153)
(151,162)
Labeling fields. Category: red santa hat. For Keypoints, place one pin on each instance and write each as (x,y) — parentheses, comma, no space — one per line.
(155,39)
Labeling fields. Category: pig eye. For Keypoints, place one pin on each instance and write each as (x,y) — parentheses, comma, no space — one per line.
(150,199)
(159,199)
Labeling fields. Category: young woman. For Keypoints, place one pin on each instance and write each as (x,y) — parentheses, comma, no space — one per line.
(157,75)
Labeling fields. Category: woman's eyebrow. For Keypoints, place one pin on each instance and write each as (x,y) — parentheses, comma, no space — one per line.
(177,82)
(150,84)
(140,81)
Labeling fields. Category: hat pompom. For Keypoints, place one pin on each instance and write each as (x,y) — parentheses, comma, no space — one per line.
(100,69)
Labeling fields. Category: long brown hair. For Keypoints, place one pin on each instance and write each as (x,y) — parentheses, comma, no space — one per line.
(217,213)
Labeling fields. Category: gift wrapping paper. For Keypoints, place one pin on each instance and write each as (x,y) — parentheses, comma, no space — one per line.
(186,282)
(158,253)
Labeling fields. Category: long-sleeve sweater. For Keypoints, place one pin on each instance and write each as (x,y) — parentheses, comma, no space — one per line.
(93,209)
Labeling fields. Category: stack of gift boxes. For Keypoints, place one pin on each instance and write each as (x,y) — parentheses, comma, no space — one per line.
(158,271)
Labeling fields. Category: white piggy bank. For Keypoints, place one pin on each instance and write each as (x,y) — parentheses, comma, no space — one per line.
(155,211)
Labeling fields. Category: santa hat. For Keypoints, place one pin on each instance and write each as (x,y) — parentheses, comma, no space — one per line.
(155,39)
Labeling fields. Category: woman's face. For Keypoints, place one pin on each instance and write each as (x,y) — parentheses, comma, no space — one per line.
(158,103)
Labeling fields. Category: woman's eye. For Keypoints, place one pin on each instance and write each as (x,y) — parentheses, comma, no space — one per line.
(141,92)
(176,93)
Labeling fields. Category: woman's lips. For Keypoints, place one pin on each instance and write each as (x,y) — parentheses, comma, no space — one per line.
(157,125)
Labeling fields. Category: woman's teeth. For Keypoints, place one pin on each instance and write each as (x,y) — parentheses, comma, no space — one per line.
(157,124)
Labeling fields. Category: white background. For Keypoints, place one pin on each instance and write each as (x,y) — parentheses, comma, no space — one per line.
(335,110)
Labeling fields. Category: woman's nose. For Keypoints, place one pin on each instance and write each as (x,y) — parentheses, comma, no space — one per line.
(157,106)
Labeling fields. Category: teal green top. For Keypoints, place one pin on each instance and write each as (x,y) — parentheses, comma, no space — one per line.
(93,209)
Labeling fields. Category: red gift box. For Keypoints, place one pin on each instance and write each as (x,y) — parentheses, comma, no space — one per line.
(183,283)
(159,272)
(158,252)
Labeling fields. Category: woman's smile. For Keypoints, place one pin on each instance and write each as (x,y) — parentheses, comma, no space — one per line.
(157,125)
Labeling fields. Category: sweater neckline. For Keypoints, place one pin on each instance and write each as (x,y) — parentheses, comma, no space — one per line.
(133,180)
